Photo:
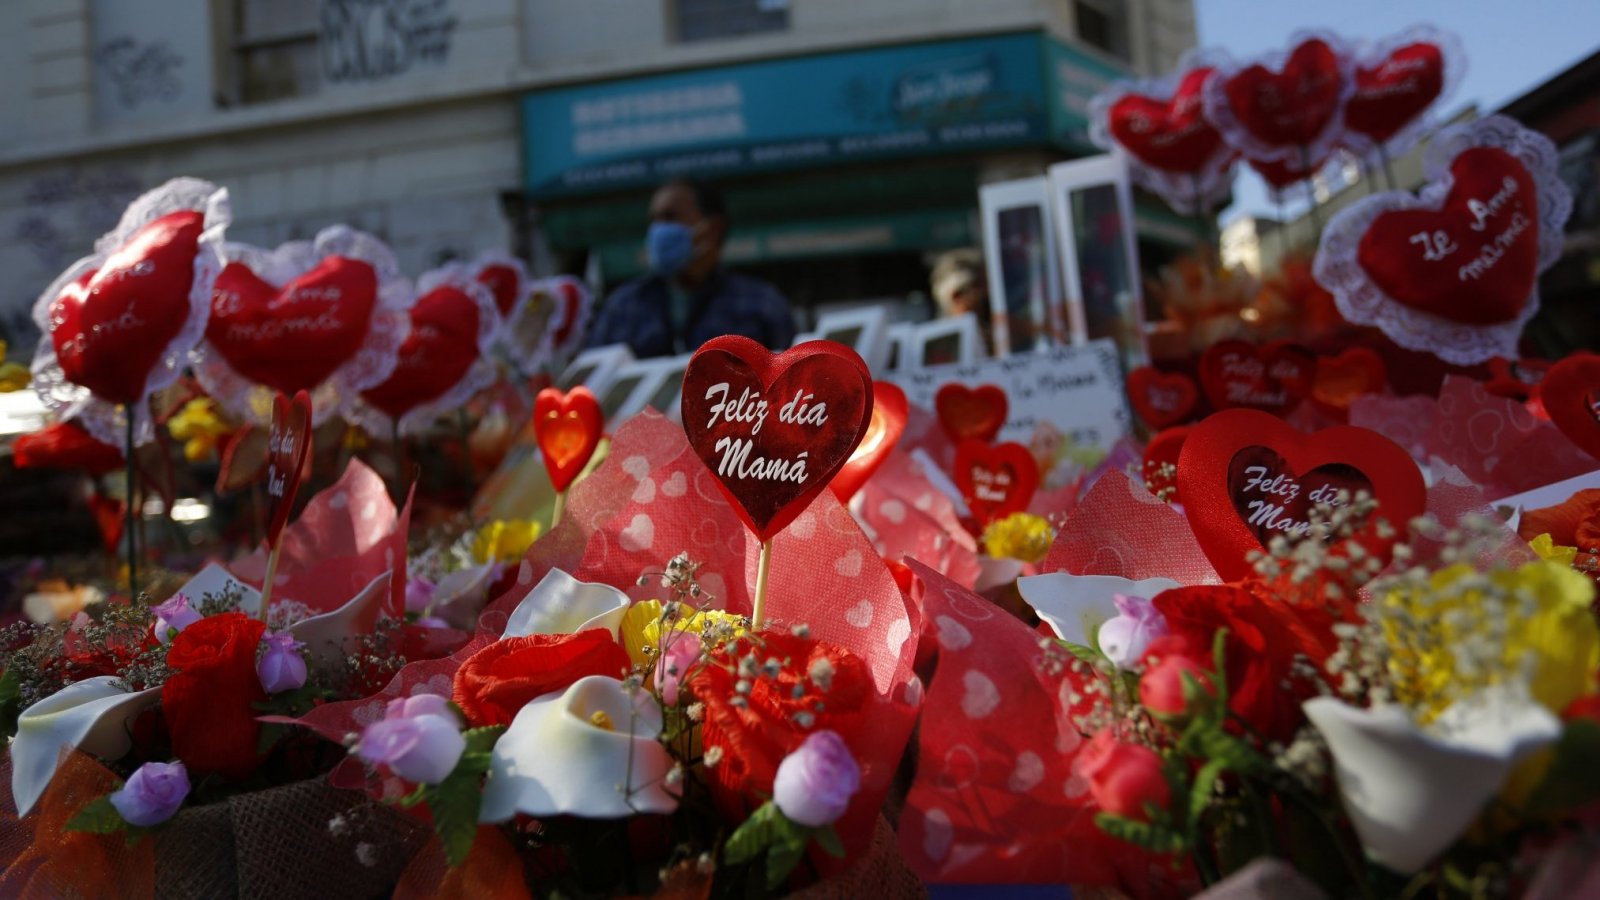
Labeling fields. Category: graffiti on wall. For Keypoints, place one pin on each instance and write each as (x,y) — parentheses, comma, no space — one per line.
(370,40)
(140,73)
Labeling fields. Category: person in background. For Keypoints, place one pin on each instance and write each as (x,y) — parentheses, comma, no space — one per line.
(688,298)
(961,286)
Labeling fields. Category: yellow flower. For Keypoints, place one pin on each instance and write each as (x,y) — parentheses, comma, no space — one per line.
(13,376)
(1019,536)
(1549,550)
(641,628)
(504,540)
(200,427)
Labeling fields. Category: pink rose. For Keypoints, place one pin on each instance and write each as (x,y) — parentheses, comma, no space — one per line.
(1161,686)
(419,739)
(681,652)
(1124,778)
(814,784)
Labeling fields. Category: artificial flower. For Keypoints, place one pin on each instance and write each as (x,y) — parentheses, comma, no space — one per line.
(1076,606)
(209,699)
(814,783)
(1124,778)
(173,616)
(419,594)
(680,655)
(1161,685)
(56,601)
(1572,523)
(1021,535)
(640,629)
(504,540)
(281,667)
(152,794)
(94,714)
(65,445)
(1550,551)
(419,739)
(13,376)
(497,681)
(561,604)
(1125,637)
(200,427)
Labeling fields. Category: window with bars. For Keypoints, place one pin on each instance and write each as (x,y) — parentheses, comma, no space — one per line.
(275,49)
(1103,24)
(704,20)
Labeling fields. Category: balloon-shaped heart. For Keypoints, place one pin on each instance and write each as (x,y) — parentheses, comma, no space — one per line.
(1283,174)
(775,428)
(568,427)
(971,413)
(1396,82)
(1273,379)
(505,277)
(288,451)
(1162,399)
(1340,379)
(1286,105)
(122,321)
(1245,477)
(1453,271)
(889,409)
(1570,392)
(996,480)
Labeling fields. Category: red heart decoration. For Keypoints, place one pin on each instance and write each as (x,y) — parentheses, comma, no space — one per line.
(995,480)
(971,413)
(288,451)
(1160,462)
(1570,393)
(1392,92)
(1283,173)
(570,292)
(1341,379)
(1170,134)
(504,282)
(775,428)
(1515,379)
(889,409)
(1237,374)
(1162,399)
(68,446)
(1439,262)
(568,428)
(442,346)
(293,337)
(110,326)
(1245,476)
(1296,105)
(110,517)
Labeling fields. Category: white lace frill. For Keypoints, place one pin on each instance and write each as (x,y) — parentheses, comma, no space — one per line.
(369,366)
(522,356)
(1360,300)
(1454,57)
(66,400)
(1214,180)
(478,376)
(1220,112)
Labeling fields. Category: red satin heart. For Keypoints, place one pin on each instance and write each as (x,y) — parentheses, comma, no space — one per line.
(1159,464)
(1162,399)
(996,480)
(442,346)
(1570,392)
(504,283)
(971,413)
(1274,378)
(110,517)
(110,326)
(1515,380)
(1439,263)
(1341,379)
(889,409)
(1391,94)
(1290,107)
(568,428)
(570,294)
(288,451)
(775,429)
(1245,476)
(1170,134)
(293,337)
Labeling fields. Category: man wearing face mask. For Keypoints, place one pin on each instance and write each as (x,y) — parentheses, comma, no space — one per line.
(688,298)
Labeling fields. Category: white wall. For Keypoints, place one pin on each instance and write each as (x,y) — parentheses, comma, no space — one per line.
(150,58)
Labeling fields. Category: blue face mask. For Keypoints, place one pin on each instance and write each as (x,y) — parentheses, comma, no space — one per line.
(668,246)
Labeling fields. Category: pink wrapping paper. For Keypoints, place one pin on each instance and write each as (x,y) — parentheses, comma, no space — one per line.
(1119,528)
(911,519)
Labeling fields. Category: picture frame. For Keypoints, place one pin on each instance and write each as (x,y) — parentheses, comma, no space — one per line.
(1021,252)
(954,340)
(595,368)
(864,329)
(651,382)
(1092,199)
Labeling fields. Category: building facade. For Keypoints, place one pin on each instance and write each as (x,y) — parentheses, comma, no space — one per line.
(851,136)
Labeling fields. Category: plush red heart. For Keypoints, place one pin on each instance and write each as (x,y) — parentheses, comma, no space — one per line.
(568,428)
(288,451)
(570,294)
(504,282)
(775,428)
(1293,106)
(1475,259)
(1284,173)
(1159,464)
(1245,476)
(1392,92)
(1570,392)
(1341,379)
(442,346)
(1274,378)
(889,409)
(1162,399)
(1171,134)
(110,326)
(293,337)
(1515,379)
(976,413)
(995,480)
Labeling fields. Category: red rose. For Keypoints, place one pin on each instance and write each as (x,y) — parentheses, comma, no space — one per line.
(1161,685)
(1123,777)
(493,685)
(65,445)
(208,699)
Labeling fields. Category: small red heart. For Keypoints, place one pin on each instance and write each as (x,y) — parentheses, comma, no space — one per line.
(1274,378)
(571,294)
(1162,399)
(504,282)
(442,346)
(1516,379)
(288,451)
(1160,462)
(995,480)
(889,409)
(1570,393)
(568,428)
(976,413)
(1392,92)
(68,446)
(110,516)
(1171,134)
(775,428)
(1245,476)
(292,337)
(110,326)
(1341,379)
(1291,107)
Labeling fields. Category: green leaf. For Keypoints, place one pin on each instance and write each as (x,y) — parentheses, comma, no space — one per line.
(753,836)
(1152,837)
(1573,780)
(482,740)
(10,702)
(454,803)
(1087,654)
(782,856)
(270,732)
(1219,667)
(98,816)
(1200,794)
(828,840)
(1234,754)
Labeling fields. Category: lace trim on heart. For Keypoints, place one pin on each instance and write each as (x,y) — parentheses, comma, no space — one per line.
(1222,117)
(1455,69)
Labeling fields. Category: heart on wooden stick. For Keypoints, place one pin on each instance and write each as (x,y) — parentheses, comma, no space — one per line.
(971,413)
(1340,379)
(1273,379)
(288,452)
(568,427)
(995,480)
(889,409)
(1162,399)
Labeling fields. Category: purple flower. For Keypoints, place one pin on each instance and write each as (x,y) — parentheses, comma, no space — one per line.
(432,622)
(815,783)
(152,793)
(680,652)
(280,666)
(419,594)
(419,739)
(1124,637)
(173,616)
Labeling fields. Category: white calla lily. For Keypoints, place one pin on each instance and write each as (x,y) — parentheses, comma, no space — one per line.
(92,715)
(561,604)
(459,596)
(1075,606)
(1412,791)
(569,753)
(325,636)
